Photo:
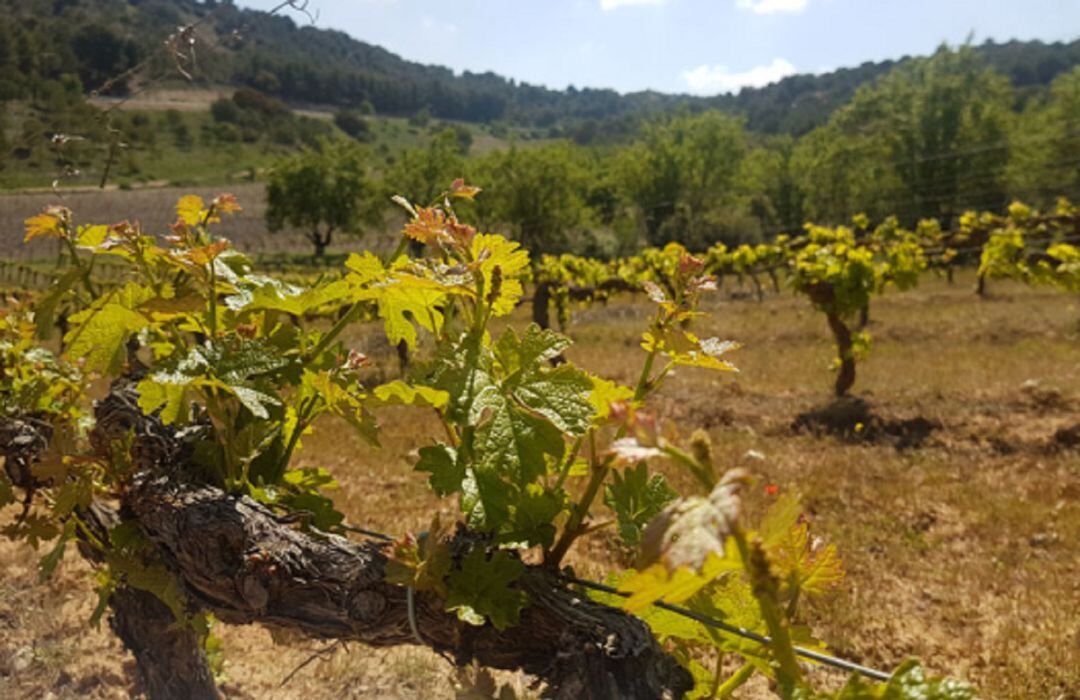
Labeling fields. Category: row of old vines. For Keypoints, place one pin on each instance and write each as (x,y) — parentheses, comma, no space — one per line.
(840,269)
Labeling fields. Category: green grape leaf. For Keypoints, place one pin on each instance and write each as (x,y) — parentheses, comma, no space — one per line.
(422,562)
(686,349)
(531,521)
(91,236)
(401,305)
(559,395)
(34,528)
(191,209)
(636,498)
(324,516)
(365,268)
(480,589)
(703,678)
(657,582)
(534,347)
(486,499)
(399,392)
(664,623)
(268,294)
(49,562)
(511,441)
(168,392)
(463,370)
(442,463)
(493,251)
(310,479)
(253,400)
(99,336)
(785,537)
(603,394)
(45,308)
(909,682)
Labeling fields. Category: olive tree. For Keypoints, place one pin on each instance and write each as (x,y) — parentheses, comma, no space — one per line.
(323,191)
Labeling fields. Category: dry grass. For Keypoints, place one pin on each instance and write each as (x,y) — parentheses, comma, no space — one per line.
(964,552)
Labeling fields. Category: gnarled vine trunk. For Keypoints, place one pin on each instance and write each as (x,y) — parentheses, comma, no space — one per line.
(170,661)
(237,559)
(541,305)
(824,296)
(845,375)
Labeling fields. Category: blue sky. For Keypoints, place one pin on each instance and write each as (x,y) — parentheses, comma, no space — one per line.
(697,46)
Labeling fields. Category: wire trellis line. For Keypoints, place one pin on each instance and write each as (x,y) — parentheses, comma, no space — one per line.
(817,656)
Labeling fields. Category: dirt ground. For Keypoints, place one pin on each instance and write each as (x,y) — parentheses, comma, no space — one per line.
(955,505)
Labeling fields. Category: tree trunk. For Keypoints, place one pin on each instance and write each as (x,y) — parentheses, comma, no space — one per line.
(775,280)
(845,377)
(980,285)
(403,357)
(864,316)
(321,241)
(170,661)
(541,305)
(758,291)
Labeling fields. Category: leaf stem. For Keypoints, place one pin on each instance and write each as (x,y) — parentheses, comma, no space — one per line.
(734,682)
(573,526)
(84,273)
(332,334)
(564,473)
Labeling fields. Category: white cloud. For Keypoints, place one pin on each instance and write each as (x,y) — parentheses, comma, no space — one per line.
(768,7)
(715,79)
(615,4)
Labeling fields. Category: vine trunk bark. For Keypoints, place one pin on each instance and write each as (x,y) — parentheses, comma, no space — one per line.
(845,376)
(240,562)
(541,305)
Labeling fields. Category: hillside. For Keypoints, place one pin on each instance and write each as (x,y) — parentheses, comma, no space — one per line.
(284,56)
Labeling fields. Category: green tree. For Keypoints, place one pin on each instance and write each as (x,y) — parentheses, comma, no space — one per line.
(353,124)
(419,174)
(1044,158)
(538,193)
(323,191)
(841,173)
(928,140)
(769,180)
(681,176)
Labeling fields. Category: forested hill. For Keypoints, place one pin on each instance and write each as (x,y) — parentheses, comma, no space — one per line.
(284,55)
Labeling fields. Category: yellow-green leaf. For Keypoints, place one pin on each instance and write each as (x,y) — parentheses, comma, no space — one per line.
(400,392)
(190,209)
(99,336)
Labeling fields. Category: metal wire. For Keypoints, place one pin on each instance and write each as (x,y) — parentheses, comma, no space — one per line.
(817,656)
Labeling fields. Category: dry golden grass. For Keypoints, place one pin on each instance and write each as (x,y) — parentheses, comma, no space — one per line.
(964,552)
